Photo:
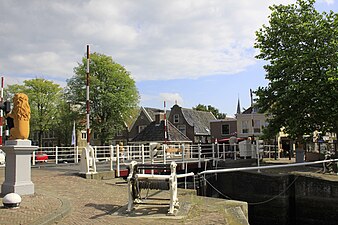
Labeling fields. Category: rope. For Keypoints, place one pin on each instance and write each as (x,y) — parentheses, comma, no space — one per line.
(225,196)
(255,203)
(269,200)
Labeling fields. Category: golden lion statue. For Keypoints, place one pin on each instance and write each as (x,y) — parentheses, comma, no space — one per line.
(18,119)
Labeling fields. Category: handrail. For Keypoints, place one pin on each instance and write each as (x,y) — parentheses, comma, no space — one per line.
(265,167)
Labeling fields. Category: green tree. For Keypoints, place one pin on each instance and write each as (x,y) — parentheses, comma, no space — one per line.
(44,99)
(113,94)
(300,45)
(209,108)
(64,125)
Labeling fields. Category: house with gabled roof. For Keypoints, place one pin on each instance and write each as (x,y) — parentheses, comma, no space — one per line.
(157,132)
(250,123)
(145,117)
(194,124)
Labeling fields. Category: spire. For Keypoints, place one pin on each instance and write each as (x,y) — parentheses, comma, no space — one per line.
(238,107)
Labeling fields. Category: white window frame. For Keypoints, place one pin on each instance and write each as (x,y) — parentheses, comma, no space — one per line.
(245,128)
(176,118)
(83,135)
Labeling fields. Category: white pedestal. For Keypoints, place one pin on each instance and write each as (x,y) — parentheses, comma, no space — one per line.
(18,167)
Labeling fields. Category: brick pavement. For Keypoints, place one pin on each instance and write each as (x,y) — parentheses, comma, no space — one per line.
(62,197)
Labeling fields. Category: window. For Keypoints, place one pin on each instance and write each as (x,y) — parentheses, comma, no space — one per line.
(182,128)
(225,129)
(257,126)
(245,129)
(83,135)
(176,118)
(141,128)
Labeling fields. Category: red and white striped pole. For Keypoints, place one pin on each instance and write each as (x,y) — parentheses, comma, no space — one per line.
(87,95)
(1,111)
(165,124)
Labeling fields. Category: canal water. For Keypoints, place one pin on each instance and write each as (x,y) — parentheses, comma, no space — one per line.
(280,199)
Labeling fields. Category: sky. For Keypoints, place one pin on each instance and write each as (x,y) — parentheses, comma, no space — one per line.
(187,52)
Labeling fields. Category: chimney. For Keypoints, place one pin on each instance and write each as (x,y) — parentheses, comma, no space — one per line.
(159,116)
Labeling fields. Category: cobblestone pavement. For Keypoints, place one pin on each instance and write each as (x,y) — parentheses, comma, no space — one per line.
(62,197)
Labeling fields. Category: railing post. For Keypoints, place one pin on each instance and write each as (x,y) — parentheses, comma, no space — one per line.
(111,157)
(191,151)
(56,155)
(185,178)
(128,153)
(139,151)
(213,154)
(142,153)
(33,160)
(183,157)
(117,161)
(95,152)
(77,154)
(223,146)
(199,149)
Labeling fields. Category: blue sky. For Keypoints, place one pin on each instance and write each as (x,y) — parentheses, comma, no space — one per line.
(185,51)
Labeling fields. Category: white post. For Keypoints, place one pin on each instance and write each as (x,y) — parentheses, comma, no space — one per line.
(56,155)
(111,157)
(185,178)
(213,154)
(191,154)
(183,157)
(199,155)
(95,152)
(142,153)
(77,154)
(128,156)
(235,151)
(33,161)
(117,161)
(164,147)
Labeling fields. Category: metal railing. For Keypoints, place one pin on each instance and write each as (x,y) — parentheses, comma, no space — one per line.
(119,156)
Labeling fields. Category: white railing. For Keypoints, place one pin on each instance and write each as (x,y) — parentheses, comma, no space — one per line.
(120,156)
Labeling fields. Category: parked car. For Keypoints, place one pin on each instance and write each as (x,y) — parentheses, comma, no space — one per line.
(41,156)
(2,157)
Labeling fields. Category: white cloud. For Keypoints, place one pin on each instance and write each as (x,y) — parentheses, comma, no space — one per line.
(171,98)
(154,40)
(157,100)
(329,2)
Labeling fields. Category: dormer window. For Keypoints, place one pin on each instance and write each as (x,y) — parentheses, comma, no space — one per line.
(176,118)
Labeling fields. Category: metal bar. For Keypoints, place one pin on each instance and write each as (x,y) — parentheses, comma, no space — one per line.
(266,167)
(87,95)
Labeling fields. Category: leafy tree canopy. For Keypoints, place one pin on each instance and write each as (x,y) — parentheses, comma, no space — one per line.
(209,108)
(113,94)
(44,99)
(301,48)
